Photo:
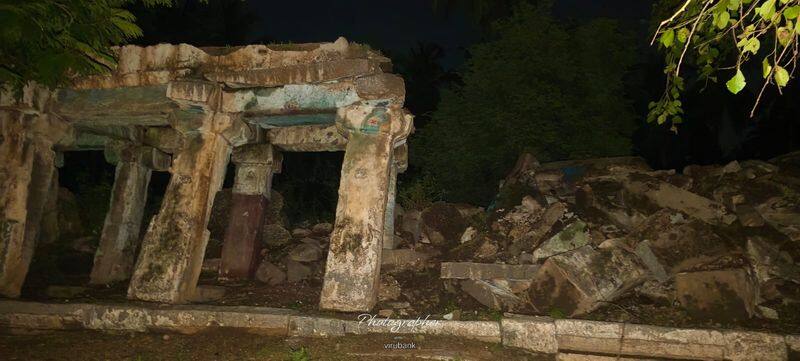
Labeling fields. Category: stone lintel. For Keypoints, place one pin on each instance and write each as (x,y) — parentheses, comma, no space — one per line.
(312,138)
(316,72)
(146,105)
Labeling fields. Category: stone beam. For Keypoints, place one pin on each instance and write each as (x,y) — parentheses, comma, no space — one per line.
(119,239)
(26,173)
(312,138)
(145,105)
(255,164)
(353,266)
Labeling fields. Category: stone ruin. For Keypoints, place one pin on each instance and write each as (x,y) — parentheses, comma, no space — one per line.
(190,111)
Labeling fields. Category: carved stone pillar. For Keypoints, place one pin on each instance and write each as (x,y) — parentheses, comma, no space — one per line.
(255,164)
(26,174)
(352,274)
(120,237)
(173,247)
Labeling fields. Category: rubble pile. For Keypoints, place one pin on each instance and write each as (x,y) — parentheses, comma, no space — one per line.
(568,238)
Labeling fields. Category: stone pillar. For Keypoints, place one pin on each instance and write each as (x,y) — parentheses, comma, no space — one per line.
(242,246)
(399,165)
(174,244)
(26,173)
(120,237)
(352,272)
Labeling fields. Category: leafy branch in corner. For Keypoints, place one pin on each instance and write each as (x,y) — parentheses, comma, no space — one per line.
(708,33)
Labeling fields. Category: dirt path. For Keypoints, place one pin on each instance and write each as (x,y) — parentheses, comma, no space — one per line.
(237,345)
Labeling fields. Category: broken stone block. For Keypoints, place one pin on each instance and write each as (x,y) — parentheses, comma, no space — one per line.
(207,293)
(680,246)
(748,216)
(571,237)
(300,233)
(404,257)
(724,295)
(390,289)
(486,271)
(296,271)
(469,235)
(774,270)
(306,252)
(64,291)
(443,224)
(651,261)
(274,235)
(783,214)
(491,295)
(411,225)
(666,195)
(487,249)
(322,229)
(270,274)
(580,281)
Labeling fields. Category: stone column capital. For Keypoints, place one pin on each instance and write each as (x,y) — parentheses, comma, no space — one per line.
(127,152)
(255,165)
(374,118)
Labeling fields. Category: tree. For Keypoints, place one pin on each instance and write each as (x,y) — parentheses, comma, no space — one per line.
(48,41)
(540,86)
(720,38)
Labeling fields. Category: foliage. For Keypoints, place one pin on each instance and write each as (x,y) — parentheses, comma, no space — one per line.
(48,41)
(420,193)
(709,34)
(300,354)
(540,86)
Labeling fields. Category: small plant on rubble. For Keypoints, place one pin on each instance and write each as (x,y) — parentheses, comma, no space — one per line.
(738,42)
(300,354)
(48,41)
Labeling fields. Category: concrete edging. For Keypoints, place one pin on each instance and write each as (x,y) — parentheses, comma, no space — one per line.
(567,337)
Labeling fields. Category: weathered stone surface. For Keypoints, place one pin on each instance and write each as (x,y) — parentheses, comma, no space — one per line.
(589,336)
(173,248)
(25,175)
(442,224)
(537,334)
(270,274)
(296,271)
(668,196)
(653,341)
(723,295)
(310,138)
(771,267)
(240,251)
(783,214)
(353,263)
(579,281)
(404,257)
(119,239)
(274,235)
(207,293)
(306,252)
(573,236)
(322,229)
(490,294)
(740,346)
(389,290)
(486,271)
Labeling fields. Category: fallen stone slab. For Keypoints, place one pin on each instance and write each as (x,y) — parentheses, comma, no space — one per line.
(666,195)
(582,280)
(654,341)
(486,271)
(722,295)
(589,357)
(491,295)
(589,336)
(537,334)
(571,237)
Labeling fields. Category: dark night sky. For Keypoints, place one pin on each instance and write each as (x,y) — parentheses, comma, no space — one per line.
(396,25)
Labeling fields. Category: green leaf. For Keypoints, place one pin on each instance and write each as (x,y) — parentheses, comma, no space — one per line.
(722,20)
(667,38)
(766,68)
(791,12)
(683,35)
(781,76)
(784,35)
(733,4)
(766,10)
(752,45)
(737,83)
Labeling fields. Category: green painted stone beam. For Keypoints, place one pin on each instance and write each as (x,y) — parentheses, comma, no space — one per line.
(275,121)
(146,106)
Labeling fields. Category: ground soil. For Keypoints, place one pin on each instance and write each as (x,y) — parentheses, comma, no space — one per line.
(238,345)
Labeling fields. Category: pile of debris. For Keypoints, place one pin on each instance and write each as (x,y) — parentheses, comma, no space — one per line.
(568,238)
